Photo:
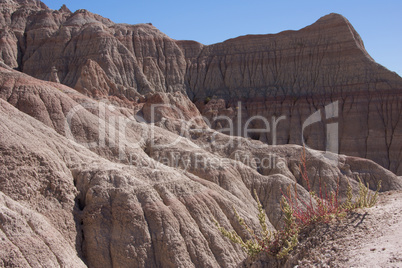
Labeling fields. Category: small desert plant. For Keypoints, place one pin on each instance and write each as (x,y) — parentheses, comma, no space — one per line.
(325,206)
(277,243)
(319,208)
(252,246)
(364,199)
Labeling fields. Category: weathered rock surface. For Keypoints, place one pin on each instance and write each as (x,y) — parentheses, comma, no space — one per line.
(139,195)
(90,53)
(291,74)
(325,57)
(294,74)
(135,180)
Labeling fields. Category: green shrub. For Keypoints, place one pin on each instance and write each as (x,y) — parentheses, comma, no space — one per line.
(364,199)
(277,243)
(320,208)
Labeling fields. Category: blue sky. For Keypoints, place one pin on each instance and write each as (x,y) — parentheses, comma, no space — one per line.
(378,22)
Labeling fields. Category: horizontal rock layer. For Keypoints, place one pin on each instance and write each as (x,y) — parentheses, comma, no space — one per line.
(310,68)
(111,189)
(111,165)
(292,75)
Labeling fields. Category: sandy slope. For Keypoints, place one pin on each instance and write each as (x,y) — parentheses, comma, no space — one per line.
(366,238)
(382,246)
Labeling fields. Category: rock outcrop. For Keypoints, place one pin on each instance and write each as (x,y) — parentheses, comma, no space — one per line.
(108,163)
(136,194)
(290,74)
(90,52)
(324,58)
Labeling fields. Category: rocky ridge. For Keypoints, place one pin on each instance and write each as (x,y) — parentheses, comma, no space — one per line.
(290,74)
(94,174)
(132,202)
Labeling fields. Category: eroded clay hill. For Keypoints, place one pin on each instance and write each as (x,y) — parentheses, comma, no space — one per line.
(89,176)
(139,195)
(290,74)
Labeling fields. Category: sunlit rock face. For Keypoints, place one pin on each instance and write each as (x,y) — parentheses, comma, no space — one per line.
(105,160)
(290,75)
(90,190)
(91,53)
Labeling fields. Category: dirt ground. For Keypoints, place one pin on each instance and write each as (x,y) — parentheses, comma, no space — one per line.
(369,237)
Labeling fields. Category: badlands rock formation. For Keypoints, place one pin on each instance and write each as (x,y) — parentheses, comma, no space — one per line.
(132,193)
(296,73)
(110,165)
(90,52)
(290,74)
